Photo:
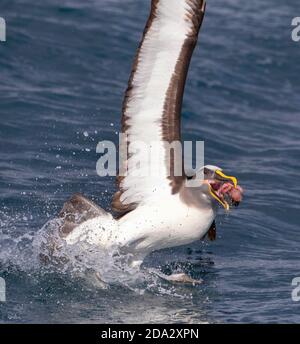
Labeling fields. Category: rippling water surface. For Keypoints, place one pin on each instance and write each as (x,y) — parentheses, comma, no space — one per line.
(63,71)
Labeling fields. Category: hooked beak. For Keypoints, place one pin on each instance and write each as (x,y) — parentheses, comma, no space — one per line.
(224,178)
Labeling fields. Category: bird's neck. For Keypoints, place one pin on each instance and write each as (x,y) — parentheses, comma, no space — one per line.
(195,196)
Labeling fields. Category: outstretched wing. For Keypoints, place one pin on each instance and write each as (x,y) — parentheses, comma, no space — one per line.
(153,100)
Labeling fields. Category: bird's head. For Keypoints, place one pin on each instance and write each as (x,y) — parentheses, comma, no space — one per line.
(220,187)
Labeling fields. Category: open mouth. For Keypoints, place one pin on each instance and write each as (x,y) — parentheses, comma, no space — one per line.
(225,190)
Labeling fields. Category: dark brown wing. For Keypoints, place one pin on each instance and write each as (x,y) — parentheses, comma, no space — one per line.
(77,210)
(153,100)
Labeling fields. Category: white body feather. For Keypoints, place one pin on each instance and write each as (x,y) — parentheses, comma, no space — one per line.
(161,223)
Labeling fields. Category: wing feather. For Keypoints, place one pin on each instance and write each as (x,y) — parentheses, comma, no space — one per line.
(153,101)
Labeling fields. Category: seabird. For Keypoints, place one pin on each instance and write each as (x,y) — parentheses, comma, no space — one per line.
(155,212)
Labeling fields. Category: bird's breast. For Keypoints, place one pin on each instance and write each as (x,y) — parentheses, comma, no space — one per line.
(164,223)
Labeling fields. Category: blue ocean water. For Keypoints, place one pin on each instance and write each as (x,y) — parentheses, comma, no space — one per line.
(64,69)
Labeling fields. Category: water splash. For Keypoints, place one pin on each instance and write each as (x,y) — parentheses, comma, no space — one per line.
(44,254)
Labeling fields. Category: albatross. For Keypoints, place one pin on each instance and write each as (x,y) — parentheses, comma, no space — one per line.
(155,212)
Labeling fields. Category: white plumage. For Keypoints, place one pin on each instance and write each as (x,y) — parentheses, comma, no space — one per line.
(156,209)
